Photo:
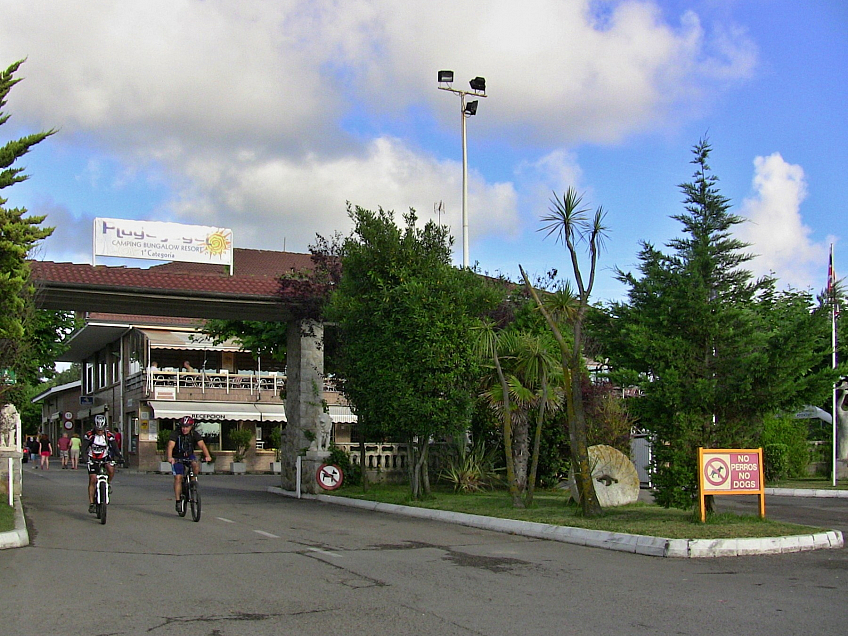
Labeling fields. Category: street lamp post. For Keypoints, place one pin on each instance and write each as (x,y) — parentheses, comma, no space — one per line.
(467,109)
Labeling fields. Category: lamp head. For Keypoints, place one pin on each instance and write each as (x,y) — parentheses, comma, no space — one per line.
(471,108)
(478,84)
(445,77)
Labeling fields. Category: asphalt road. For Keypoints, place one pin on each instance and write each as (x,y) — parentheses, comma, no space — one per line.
(261,564)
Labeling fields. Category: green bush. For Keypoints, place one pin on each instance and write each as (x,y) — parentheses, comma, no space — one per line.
(162,438)
(470,469)
(776,461)
(240,438)
(788,430)
(352,472)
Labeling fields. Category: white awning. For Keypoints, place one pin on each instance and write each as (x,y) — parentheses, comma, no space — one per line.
(252,412)
(341,414)
(185,340)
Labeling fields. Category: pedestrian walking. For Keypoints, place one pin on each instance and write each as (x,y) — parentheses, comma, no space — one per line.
(46,450)
(64,445)
(76,442)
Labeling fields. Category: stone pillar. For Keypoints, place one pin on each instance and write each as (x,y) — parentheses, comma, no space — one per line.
(304,393)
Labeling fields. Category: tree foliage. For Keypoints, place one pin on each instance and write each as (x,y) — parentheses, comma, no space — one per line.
(404,314)
(22,328)
(714,349)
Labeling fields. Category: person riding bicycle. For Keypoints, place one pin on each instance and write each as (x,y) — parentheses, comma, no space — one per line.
(181,445)
(99,445)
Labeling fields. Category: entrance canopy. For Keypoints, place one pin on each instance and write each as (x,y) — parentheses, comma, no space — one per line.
(253,412)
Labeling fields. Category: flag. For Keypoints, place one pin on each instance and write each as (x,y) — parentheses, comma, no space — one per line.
(830,273)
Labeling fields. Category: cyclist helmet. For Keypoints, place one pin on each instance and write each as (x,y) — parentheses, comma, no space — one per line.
(188,420)
(99,423)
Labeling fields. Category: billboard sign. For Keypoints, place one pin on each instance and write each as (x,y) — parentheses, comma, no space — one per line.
(160,241)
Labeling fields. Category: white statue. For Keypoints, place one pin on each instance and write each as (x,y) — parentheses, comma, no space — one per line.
(10,426)
(842,419)
(325,430)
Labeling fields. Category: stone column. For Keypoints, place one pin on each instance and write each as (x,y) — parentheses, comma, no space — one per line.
(304,392)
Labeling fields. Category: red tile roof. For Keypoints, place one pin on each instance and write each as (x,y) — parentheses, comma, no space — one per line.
(255,274)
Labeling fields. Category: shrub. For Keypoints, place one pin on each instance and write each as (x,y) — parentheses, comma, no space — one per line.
(788,430)
(470,469)
(776,461)
(240,439)
(352,472)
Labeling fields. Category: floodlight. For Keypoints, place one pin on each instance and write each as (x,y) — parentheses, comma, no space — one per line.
(445,77)
(478,84)
(471,108)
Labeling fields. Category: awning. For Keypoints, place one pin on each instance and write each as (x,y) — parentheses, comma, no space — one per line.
(185,340)
(342,414)
(252,412)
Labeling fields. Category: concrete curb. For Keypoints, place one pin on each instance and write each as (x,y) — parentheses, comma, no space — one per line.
(637,544)
(18,537)
(807,492)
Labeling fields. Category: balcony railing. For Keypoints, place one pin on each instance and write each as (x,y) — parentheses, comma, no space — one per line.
(252,381)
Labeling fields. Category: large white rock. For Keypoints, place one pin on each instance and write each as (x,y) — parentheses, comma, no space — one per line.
(615,477)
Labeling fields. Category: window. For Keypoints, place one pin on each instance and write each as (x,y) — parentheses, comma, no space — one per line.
(211,432)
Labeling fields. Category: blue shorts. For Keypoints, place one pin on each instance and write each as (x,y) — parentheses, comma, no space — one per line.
(178,468)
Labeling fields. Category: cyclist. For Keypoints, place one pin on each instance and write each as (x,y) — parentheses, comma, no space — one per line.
(181,445)
(99,445)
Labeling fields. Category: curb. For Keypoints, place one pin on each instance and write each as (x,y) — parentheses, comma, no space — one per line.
(807,492)
(18,537)
(634,543)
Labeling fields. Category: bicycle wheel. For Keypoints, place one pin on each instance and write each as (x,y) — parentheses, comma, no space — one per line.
(102,494)
(194,492)
(183,501)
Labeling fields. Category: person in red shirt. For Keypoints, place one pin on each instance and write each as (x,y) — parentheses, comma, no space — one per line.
(64,445)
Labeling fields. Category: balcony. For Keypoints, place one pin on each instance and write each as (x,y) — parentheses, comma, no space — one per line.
(167,382)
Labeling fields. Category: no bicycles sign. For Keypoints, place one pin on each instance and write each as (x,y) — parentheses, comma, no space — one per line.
(731,472)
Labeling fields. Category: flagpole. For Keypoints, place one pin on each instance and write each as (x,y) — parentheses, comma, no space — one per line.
(831,283)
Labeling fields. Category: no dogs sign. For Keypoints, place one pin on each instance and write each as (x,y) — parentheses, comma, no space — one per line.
(731,472)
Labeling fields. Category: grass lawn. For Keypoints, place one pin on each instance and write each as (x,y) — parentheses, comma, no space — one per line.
(554,507)
(7,517)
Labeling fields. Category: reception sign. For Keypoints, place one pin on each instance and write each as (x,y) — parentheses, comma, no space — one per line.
(163,241)
(731,472)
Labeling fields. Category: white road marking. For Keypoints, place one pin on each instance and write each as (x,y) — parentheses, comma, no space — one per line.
(332,554)
(225,520)
(266,534)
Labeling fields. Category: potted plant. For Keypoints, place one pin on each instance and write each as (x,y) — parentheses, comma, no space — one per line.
(240,438)
(162,438)
(276,439)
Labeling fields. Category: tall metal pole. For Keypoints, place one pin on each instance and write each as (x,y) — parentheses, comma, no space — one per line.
(478,86)
(464,186)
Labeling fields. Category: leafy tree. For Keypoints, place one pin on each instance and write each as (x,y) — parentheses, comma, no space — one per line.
(404,314)
(18,235)
(714,349)
(569,222)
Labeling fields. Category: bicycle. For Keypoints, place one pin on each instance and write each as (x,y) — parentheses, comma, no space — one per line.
(101,488)
(190,494)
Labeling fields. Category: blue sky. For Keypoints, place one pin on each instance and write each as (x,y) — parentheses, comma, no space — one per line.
(266,117)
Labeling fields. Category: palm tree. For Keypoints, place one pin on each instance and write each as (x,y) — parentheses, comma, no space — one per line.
(488,343)
(537,367)
(569,222)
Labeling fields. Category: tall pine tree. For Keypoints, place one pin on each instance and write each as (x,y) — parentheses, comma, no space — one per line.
(715,349)
(18,235)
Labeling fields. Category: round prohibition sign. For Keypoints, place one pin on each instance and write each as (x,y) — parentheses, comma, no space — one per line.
(716,471)
(329,476)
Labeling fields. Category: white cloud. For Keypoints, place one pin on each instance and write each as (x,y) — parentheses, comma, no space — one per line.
(254,110)
(775,227)
(267,199)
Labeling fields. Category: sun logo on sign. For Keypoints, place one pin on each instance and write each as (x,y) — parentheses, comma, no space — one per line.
(217,243)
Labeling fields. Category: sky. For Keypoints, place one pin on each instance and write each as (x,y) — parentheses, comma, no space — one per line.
(267,117)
